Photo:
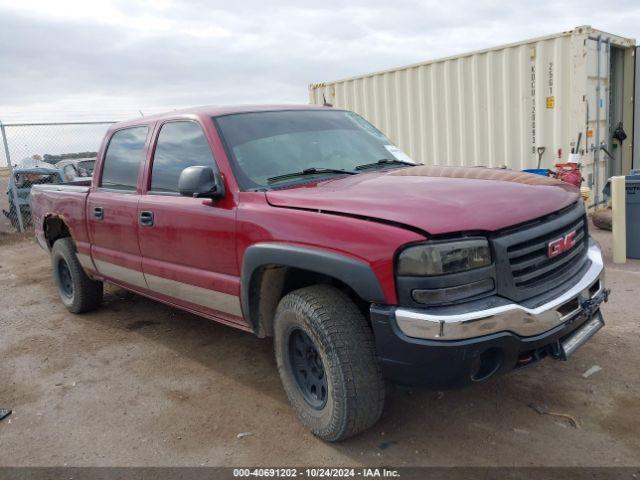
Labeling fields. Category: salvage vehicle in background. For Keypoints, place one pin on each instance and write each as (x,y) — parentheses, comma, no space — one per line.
(76,168)
(21,181)
(308,225)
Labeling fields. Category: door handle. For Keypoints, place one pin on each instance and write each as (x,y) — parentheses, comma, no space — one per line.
(146,219)
(98,213)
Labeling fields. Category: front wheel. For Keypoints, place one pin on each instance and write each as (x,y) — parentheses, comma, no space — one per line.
(326,358)
(77,291)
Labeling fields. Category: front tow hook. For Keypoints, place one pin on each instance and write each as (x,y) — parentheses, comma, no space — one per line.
(591,305)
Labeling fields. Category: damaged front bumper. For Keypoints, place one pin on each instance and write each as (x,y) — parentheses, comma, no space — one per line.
(513,317)
(420,347)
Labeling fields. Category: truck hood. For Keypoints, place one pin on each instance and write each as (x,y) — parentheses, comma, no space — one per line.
(435,199)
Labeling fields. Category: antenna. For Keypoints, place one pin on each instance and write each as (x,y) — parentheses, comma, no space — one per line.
(324,102)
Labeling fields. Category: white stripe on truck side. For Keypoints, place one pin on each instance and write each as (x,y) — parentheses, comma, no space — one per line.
(223,302)
(124,274)
(85,261)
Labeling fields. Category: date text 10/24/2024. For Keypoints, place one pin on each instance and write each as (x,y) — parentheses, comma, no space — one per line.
(316,472)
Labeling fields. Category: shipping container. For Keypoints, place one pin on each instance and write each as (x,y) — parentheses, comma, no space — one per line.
(514,105)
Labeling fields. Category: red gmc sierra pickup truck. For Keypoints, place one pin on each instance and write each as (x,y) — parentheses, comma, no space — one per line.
(306,224)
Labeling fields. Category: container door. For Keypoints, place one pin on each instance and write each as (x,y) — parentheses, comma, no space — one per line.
(617,129)
(597,115)
(636,116)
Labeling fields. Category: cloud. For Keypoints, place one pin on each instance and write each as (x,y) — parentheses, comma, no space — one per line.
(108,59)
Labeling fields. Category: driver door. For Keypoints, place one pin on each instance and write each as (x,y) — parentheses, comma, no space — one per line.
(188,244)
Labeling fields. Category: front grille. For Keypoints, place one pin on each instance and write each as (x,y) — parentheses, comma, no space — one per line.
(524,266)
(530,262)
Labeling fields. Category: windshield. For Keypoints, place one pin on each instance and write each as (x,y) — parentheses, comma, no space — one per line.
(265,147)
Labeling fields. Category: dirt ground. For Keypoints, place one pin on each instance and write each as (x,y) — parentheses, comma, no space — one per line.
(139,383)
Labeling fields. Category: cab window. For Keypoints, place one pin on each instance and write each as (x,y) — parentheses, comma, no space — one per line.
(122,160)
(180,145)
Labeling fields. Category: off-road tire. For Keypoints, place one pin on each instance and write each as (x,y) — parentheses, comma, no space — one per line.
(345,344)
(77,291)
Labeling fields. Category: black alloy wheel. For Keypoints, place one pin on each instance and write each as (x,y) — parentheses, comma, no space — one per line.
(308,368)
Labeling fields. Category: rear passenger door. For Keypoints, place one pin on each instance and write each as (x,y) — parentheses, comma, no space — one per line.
(112,209)
(188,244)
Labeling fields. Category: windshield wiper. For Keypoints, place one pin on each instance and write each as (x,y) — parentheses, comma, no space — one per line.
(386,161)
(309,171)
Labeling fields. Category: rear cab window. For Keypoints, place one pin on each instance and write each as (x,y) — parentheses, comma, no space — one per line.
(122,161)
(180,144)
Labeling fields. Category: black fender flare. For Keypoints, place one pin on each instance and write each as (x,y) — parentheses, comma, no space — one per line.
(354,273)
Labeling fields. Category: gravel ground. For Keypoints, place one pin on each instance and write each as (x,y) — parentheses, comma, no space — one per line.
(138,383)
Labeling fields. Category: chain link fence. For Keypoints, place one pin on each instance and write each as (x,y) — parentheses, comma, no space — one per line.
(41,153)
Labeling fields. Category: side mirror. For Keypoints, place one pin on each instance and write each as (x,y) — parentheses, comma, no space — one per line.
(201,182)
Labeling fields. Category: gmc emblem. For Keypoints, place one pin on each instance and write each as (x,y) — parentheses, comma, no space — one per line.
(561,245)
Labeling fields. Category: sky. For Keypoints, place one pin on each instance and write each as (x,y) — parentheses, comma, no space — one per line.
(111,60)
(68,60)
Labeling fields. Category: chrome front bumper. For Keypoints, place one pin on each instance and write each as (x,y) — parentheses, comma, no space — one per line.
(513,317)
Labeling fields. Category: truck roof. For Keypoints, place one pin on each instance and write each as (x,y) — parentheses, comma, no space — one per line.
(212,111)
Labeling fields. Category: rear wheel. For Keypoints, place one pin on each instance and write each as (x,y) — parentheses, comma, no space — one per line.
(77,291)
(326,358)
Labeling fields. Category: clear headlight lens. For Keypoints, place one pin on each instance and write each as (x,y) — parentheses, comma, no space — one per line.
(445,257)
